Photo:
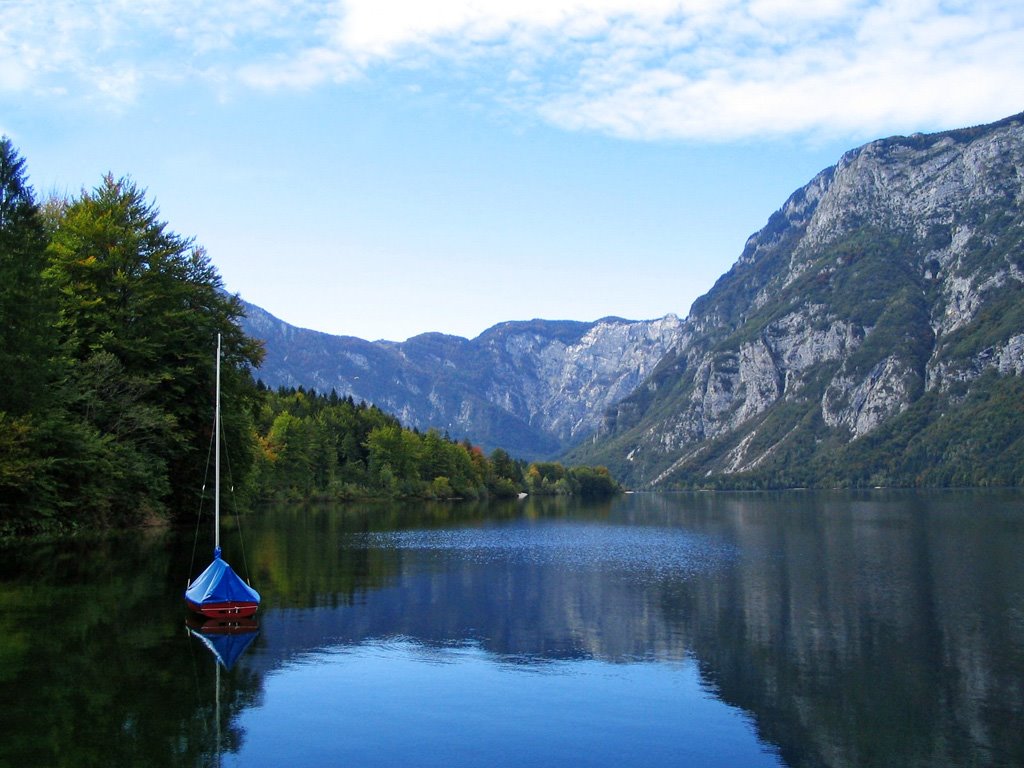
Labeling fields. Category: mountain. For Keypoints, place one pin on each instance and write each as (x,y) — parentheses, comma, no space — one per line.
(533,388)
(872,333)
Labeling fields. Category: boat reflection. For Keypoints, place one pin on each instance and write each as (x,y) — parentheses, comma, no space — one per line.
(227,639)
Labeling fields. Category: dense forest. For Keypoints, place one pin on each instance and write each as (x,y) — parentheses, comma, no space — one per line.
(108,326)
(315,446)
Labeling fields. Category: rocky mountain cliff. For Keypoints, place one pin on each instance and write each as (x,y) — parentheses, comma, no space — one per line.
(532,388)
(872,333)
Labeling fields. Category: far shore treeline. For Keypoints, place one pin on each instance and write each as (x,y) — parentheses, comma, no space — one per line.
(108,326)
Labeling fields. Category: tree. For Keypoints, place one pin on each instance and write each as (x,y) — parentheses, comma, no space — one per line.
(26,340)
(146,305)
(26,307)
(394,454)
(594,481)
(291,440)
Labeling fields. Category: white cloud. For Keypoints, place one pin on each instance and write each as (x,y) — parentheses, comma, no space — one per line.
(695,69)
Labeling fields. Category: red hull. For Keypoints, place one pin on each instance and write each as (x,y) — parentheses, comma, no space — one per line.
(233,610)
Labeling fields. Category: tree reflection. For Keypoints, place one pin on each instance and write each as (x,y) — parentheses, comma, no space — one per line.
(857,630)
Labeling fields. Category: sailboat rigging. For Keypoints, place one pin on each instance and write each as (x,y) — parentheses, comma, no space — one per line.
(219,592)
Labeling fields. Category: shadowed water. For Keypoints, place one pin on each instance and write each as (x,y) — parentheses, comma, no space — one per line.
(725,630)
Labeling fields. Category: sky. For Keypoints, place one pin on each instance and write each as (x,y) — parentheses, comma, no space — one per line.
(384,168)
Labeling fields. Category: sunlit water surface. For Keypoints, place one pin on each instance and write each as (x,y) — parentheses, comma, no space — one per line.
(694,629)
(428,672)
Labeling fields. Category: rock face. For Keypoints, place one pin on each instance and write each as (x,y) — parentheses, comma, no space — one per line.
(532,388)
(880,297)
(871,333)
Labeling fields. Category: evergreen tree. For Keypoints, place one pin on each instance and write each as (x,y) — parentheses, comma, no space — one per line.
(26,339)
(139,312)
(26,311)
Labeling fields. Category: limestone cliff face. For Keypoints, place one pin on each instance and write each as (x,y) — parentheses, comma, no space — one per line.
(565,384)
(872,332)
(894,276)
(532,388)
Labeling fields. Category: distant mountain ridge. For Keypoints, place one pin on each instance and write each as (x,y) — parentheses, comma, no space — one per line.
(872,333)
(533,387)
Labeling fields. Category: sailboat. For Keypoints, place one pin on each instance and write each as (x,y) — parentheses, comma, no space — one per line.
(219,592)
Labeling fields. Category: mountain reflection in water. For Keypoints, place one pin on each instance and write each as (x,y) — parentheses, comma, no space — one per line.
(529,590)
(851,629)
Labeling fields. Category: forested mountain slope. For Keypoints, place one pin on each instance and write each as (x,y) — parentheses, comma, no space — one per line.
(532,388)
(872,333)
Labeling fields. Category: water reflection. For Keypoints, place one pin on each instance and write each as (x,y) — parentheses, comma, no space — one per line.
(226,639)
(854,630)
(532,591)
(876,629)
(96,666)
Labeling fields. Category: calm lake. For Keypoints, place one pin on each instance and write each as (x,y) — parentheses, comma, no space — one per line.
(797,629)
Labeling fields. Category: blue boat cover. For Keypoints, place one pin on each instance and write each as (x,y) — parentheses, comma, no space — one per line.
(220,584)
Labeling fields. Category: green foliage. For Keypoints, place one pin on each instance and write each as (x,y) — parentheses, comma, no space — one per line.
(26,306)
(139,311)
(315,447)
(109,326)
(974,438)
(594,481)
(551,478)
(1000,318)
(27,315)
(505,476)
(329,447)
(941,442)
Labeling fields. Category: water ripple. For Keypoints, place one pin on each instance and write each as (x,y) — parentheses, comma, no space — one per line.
(624,549)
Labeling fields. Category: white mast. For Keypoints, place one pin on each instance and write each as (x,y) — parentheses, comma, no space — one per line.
(216,462)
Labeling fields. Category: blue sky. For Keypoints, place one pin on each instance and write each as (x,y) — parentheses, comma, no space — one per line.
(382,168)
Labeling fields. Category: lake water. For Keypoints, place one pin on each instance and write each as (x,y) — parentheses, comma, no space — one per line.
(799,629)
